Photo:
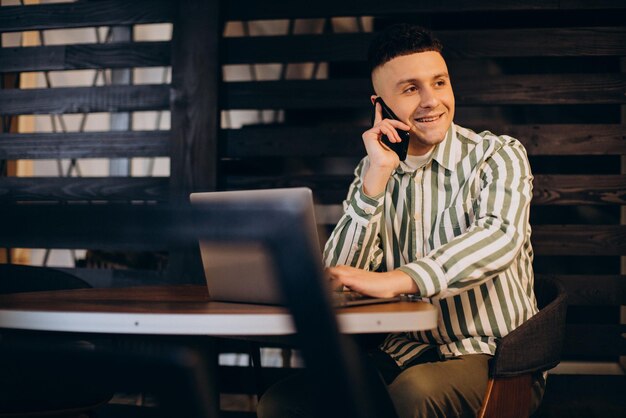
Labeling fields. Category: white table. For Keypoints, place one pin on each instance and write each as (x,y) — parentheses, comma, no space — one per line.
(187,310)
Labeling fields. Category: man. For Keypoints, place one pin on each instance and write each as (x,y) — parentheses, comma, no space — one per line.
(449,224)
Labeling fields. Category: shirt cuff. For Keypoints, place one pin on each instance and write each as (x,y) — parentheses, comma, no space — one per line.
(428,275)
(364,207)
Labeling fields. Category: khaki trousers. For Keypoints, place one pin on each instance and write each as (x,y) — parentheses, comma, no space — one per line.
(450,388)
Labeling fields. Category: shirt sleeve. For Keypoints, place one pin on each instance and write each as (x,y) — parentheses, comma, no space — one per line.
(355,241)
(494,239)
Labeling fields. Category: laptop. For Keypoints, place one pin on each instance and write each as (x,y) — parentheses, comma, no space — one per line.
(244,272)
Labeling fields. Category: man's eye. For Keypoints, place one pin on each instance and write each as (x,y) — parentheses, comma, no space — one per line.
(440,83)
(410,89)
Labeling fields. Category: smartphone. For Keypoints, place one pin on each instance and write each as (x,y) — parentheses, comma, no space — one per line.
(401,148)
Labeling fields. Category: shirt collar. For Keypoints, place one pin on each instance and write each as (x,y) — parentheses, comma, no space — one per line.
(447,153)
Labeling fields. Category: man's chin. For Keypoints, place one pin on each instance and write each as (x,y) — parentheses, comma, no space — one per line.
(430,138)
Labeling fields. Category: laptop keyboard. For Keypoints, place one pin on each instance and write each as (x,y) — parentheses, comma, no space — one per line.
(349,296)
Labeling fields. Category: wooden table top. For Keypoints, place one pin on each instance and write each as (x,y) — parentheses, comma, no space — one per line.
(186,310)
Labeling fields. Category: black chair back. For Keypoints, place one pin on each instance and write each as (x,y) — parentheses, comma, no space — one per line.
(544,332)
(15,278)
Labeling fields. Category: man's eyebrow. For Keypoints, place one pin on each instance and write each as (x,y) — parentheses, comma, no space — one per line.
(416,81)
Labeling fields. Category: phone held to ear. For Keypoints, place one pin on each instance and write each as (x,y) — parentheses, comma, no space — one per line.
(401,148)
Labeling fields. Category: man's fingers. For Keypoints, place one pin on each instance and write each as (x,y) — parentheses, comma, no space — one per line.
(378,114)
(390,131)
(399,124)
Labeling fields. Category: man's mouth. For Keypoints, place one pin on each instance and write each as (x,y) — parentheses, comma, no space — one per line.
(429,119)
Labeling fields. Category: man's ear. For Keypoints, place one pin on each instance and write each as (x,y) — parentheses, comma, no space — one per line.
(373,98)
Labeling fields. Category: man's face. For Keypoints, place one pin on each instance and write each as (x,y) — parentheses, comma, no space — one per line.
(417,88)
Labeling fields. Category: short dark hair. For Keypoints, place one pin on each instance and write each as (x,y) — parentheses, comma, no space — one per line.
(400,39)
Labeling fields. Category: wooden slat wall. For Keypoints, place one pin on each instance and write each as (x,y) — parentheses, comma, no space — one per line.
(68,100)
(547,73)
(188,100)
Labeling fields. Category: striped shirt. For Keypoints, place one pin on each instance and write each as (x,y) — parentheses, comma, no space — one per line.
(458,226)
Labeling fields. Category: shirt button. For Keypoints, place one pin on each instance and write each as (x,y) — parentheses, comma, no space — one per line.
(416,216)
(369,210)
(355,247)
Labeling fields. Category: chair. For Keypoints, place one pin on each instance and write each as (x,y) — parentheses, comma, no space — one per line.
(517,362)
(176,375)
(27,391)
(16,278)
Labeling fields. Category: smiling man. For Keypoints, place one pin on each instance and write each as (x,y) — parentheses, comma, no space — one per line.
(449,225)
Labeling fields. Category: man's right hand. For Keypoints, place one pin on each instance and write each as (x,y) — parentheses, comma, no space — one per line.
(382,159)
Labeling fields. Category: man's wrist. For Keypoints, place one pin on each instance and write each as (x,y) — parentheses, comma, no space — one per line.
(402,283)
(375,180)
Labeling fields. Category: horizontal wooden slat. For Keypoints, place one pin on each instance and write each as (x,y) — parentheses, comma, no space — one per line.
(85,56)
(532,89)
(334,48)
(250,9)
(547,190)
(83,188)
(579,190)
(110,144)
(592,290)
(570,139)
(327,188)
(293,141)
(115,227)
(84,14)
(544,89)
(84,99)
(564,42)
(589,340)
(601,240)
(345,141)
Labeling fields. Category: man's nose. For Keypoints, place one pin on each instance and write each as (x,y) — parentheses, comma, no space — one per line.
(428,98)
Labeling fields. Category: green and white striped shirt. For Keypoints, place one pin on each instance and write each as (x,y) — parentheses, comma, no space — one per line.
(459,227)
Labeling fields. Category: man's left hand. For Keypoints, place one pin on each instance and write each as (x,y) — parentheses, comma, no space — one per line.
(379,285)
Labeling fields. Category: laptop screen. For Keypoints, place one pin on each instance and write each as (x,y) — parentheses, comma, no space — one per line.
(244,272)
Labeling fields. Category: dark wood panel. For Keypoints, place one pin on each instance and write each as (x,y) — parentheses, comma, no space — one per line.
(195,83)
(563,42)
(601,240)
(541,89)
(293,141)
(547,190)
(250,9)
(83,188)
(461,43)
(85,56)
(589,340)
(579,190)
(85,145)
(84,14)
(118,227)
(327,188)
(569,139)
(195,120)
(84,99)
(592,290)
(345,141)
